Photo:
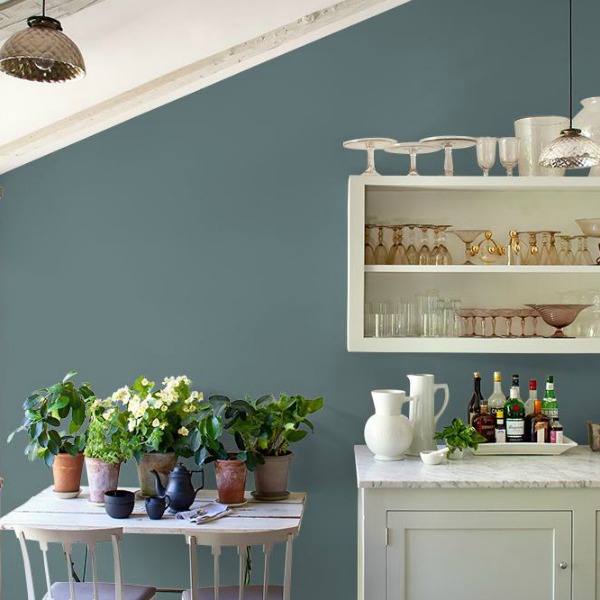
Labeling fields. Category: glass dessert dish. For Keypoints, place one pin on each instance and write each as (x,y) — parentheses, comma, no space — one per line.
(558,315)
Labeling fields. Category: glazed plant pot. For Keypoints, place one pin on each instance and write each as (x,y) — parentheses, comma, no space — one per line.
(231,481)
(162,463)
(67,471)
(271,478)
(119,504)
(102,477)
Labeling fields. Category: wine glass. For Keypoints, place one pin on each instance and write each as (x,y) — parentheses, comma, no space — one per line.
(467,236)
(397,254)
(494,313)
(566,253)
(370,145)
(523,313)
(509,153)
(545,252)
(369,253)
(412,148)
(486,153)
(411,252)
(424,252)
(533,254)
(381,252)
(441,253)
(509,314)
(553,254)
(448,143)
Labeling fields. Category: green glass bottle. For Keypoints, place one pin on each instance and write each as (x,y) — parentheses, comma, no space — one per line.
(514,414)
(550,402)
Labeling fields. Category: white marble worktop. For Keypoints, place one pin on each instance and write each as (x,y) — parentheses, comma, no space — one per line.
(576,468)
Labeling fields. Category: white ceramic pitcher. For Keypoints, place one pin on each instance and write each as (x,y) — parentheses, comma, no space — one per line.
(422,413)
(388,433)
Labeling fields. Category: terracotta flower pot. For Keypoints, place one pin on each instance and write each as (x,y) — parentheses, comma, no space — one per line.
(231,481)
(67,473)
(102,477)
(270,478)
(163,463)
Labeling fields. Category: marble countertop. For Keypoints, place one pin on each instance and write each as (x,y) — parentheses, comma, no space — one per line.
(576,468)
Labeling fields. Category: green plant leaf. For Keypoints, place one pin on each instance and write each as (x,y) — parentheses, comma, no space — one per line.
(60,403)
(68,376)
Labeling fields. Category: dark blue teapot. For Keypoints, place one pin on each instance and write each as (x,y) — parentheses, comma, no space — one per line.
(179,487)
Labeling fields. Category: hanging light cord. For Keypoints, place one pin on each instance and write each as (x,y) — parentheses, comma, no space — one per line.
(43,8)
(570,63)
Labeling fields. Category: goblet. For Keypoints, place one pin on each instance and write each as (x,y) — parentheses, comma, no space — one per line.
(397,254)
(509,314)
(369,253)
(509,153)
(558,315)
(468,318)
(381,252)
(486,153)
(370,145)
(468,236)
(483,314)
(412,148)
(494,313)
(523,313)
(489,250)
(533,254)
(554,259)
(448,143)
(411,252)
(424,251)
(566,254)
(441,254)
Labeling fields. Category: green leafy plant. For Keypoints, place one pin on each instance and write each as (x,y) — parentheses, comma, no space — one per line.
(46,411)
(271,424)
(108,438)
(216,416)
(459,435)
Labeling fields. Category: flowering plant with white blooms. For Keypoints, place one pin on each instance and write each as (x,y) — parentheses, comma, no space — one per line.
(162,420)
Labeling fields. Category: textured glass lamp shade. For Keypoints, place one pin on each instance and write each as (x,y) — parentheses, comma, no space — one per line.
(570,150)
(42,53)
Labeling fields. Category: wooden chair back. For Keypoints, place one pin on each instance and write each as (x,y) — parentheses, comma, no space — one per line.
(242,540)
(68,538)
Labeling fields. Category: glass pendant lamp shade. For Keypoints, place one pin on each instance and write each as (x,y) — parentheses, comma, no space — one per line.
(42,53)
(570,150)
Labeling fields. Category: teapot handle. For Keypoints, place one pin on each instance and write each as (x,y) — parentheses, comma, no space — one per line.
(167,502)
(202,484)
(441,386)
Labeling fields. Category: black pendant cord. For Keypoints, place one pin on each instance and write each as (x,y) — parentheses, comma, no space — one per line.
(570,64)
(43,8)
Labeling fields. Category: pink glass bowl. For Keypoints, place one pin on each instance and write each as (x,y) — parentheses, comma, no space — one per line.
(558,315)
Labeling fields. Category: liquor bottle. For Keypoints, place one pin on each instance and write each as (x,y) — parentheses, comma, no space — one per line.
(497,400)
(537,426)
(485,423)
(550,403)
(514,411)
(500,427)
(529,404)
(556,432)
(476,398)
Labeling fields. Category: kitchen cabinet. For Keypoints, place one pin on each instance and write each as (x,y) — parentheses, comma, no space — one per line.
(493,527)
(498,204)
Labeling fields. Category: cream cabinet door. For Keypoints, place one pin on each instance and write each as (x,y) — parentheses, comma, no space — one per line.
(470,555)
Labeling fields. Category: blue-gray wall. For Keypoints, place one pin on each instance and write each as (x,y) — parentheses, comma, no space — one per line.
(209,238)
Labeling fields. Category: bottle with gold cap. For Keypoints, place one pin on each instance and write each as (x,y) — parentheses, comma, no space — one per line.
(475,403)
(497,400)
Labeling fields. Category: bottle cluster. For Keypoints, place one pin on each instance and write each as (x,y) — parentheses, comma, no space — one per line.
(502,419)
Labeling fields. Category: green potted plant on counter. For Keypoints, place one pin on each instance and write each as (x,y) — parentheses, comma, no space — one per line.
(459,436)
(216,416)
(54,418)
(160,421)
(109,443)
(270,426)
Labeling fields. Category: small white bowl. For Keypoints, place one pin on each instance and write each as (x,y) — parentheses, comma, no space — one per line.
(589,227)
(434,457)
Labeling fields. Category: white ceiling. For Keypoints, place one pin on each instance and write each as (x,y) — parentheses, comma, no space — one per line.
(141,54)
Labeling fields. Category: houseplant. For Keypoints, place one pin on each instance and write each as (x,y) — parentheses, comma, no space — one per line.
(459,436)
(160,422)
(216,416)
(54,418)
(109,443)
(268,427)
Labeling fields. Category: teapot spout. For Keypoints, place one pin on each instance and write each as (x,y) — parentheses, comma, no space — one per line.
(160,490)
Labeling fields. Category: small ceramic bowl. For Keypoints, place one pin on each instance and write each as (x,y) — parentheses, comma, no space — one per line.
(590,227)
(119,503)
(434,457)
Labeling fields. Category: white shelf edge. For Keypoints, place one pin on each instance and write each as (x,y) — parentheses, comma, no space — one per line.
(562,269)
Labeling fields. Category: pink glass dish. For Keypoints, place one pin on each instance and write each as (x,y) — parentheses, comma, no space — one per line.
(558,315)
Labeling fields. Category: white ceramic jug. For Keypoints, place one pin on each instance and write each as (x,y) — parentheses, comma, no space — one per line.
(422,413)
(388,433)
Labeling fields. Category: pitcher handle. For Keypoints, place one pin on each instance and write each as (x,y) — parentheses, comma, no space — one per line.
(441,386)
(408,400)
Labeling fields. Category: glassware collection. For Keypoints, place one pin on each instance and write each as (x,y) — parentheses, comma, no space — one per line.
(509,419)
(431,315)
(426,244)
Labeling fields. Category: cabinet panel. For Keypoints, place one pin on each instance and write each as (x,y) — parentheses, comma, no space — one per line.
(458,555)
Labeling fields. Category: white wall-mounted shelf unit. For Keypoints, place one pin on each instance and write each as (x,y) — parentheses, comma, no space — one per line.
(495,203)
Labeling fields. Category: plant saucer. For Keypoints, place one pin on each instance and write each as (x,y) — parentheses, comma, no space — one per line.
(67,495)
(270,497)
(229,505)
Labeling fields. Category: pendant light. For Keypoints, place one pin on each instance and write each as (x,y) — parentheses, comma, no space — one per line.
(42,53)
(571,150)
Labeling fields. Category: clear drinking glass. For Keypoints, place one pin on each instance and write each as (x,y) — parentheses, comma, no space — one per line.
(486,153)
(509,153)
